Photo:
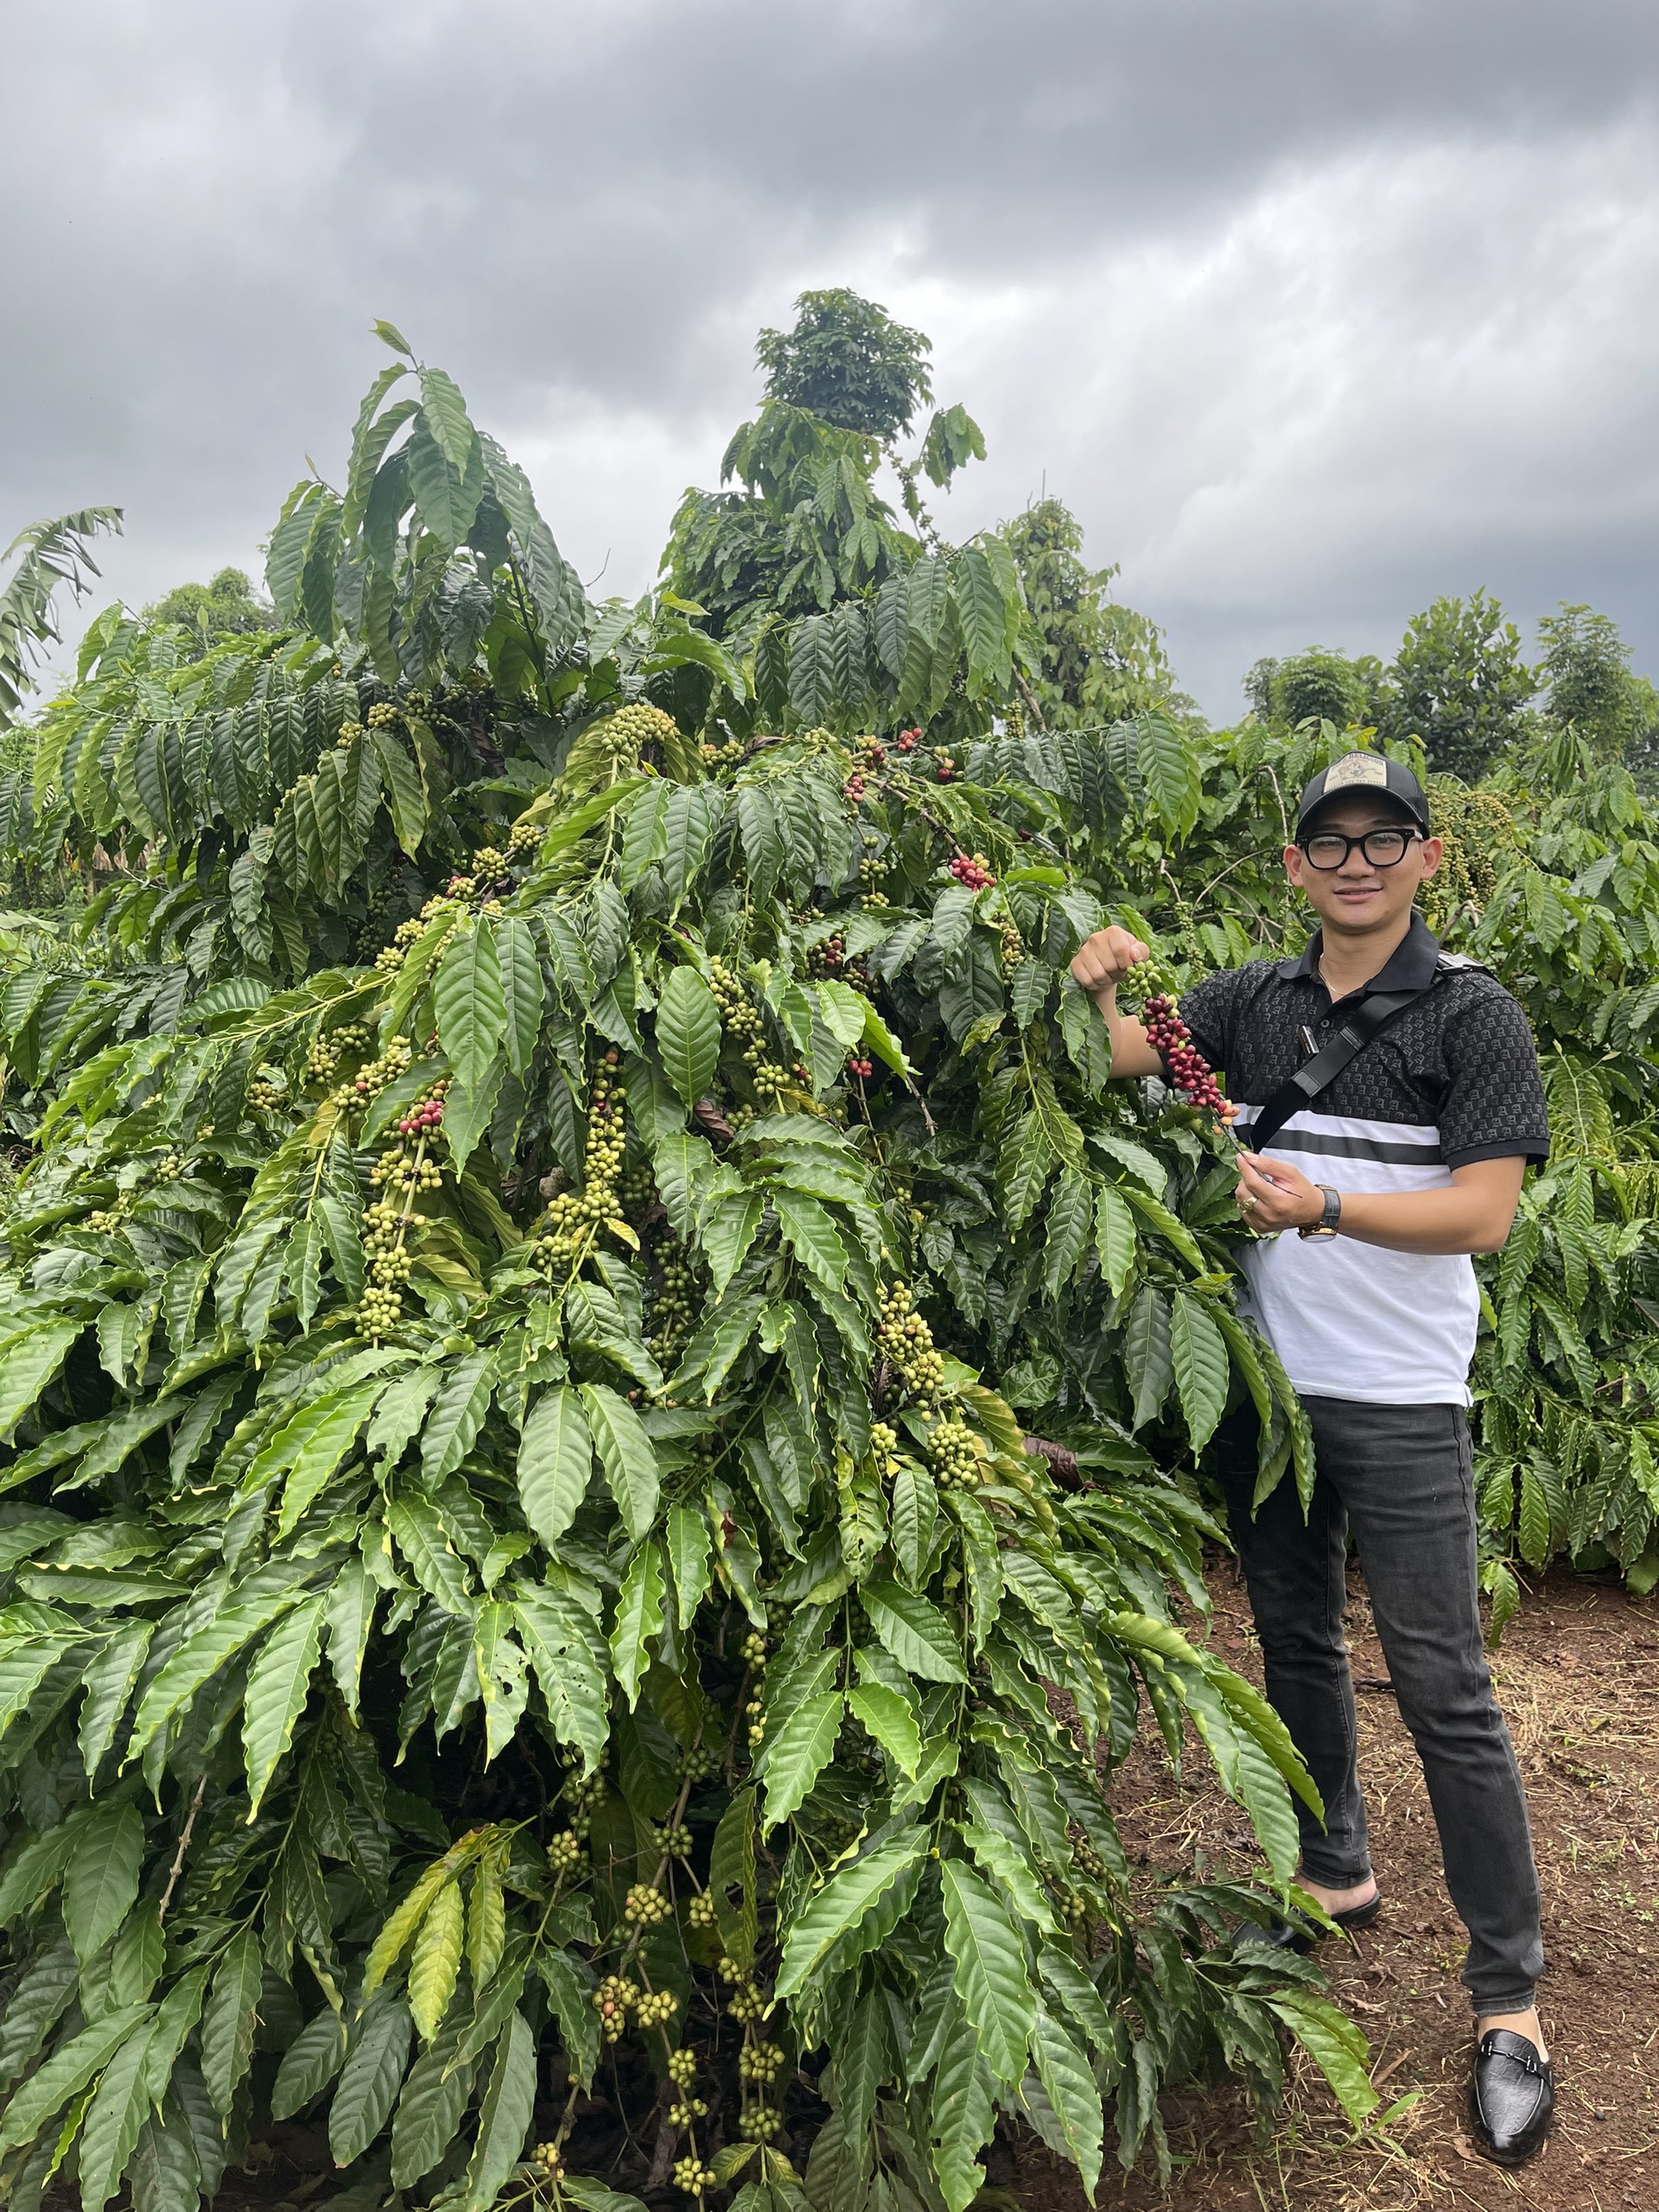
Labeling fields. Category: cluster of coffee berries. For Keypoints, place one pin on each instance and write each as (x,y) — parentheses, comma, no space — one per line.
(723,756)
(574,1215)
(490,869)
(973,870)
(759,2064)
(740,1018)
(327,1052)
(545,2160)
(1088,1861)
(944,766)
(389,958)
(349,734)
(909,739)
(264,1093)
(700,1911)
(565,1854)
(699,1763)
(644,1905)
(631,729)
(853,790)
(1013,950)
(656,2008)
(1189,1071)
(681,2067)
(906,1343)
(674,1840)
(673,1298)
(389,1263)
(584,1793)
(382,714)
(378,1073)
(826,959)
(693,2177)
(954,1451)
(869,754)
(759,2124)
(884,1441)
(614,2000)
(747,2001)
(872,872)
(860,1066)
(427,1114)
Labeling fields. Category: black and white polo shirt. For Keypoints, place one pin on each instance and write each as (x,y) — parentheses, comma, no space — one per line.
(1452,1079)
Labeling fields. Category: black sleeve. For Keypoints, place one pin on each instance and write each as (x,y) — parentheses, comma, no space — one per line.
(1494,1105)
(1208,1010)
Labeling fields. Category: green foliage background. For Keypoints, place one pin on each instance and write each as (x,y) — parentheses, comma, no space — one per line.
(603,1406)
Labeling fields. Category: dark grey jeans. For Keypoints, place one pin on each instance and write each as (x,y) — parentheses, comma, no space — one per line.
(1402,1476)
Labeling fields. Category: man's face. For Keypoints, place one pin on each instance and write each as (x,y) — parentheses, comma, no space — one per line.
(1359,897)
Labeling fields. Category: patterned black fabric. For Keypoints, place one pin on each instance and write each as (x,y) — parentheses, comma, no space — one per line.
(1461,1059)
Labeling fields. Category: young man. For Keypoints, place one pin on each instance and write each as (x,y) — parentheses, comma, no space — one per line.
(1369,1201)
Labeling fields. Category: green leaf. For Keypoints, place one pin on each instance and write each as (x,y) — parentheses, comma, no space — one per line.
(1005,1864)
(914,1513)
(1336,2046)
(28,1363)
(811,1235)
(376,2053)
(259,1601)
(688,1033)
(277,1687)
(995,1995)
(1115,1238)
(639,1619)
(688,1539)
(1072,2092)
(561,1645)
(309,2064)
(405,800)
(101,1880)
(843,1903)
(389,334)
(472,1007)
(915,1632)
(522,989)
(229,2018)
(434,1962)
(1146,1352)
(348,1607)
(799,1751)
(889,1718)
(627,1455)
(447,417)
(555,1458)
(456,1416)
(1198,1356)
(65,2075)
(430,2111)
(509,2103)
(963,2115)
(109,2134)
(328,1433)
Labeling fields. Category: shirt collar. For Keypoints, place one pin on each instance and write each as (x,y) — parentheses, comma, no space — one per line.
(1410,967)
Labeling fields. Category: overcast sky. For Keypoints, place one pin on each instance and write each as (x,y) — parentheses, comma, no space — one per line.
(1312,309)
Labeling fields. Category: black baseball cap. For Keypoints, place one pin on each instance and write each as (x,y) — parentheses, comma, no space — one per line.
(1362,774)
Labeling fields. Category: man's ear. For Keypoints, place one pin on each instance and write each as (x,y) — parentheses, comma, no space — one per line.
(1295,861)
(1432,850)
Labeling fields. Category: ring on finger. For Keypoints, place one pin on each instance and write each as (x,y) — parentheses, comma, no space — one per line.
(1248,1201)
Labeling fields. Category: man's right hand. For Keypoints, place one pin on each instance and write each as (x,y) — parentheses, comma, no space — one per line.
(1100,963)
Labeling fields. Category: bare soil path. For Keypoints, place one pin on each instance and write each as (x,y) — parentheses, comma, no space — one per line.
(1578,1675)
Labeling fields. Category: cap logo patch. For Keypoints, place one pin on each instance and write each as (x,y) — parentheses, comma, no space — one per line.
(1355,771)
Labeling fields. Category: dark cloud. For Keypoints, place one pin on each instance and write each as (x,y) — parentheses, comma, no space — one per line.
(1312,312)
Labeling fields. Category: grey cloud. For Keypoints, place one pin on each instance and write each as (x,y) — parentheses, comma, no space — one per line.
(1311,311)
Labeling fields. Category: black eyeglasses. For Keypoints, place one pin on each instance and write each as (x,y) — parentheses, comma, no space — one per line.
(1329,848)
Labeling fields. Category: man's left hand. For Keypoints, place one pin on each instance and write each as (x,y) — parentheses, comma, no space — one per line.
(1272,1195)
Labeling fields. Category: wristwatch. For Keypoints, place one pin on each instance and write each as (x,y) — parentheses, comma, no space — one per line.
(1330,1220)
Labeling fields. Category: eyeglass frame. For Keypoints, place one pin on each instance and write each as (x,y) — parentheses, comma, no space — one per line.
(1408,831)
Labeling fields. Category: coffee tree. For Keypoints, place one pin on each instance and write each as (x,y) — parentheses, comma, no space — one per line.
(598,1397)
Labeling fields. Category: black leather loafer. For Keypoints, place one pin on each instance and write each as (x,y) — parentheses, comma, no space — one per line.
(1512,2097)
(1298,1933)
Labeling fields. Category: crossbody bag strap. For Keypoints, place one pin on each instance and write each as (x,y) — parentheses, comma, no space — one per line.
(1317,1074)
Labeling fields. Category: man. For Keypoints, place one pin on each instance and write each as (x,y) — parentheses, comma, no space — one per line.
(1362,1284)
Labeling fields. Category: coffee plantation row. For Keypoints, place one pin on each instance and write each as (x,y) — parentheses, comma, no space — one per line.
(602,1404)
